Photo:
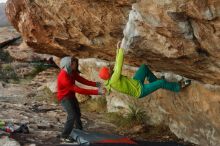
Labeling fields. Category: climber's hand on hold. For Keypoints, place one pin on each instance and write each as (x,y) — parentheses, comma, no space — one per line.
(118,46)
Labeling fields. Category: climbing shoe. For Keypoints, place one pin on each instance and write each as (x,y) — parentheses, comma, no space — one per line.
(162,77)
(184,83)
(68,140)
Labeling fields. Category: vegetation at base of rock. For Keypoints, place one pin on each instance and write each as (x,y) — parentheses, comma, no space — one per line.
(46,95)
(37,69)
(8,74)
(136,115)
(127,121)
(95,105)
(4,56)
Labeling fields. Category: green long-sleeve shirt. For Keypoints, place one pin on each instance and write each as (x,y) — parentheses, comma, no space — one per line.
(122,83)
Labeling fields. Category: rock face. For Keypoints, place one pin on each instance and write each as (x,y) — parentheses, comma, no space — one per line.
(7,35)
(158,32)
(25,53)
(169,35)
(70,27)
(182,33)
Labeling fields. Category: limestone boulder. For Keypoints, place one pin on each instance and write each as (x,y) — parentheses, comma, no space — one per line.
(169,35)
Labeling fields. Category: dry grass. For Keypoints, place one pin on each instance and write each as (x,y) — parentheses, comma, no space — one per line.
(46,95)
(135,116)
(37,69)
(8,74)
(5,57)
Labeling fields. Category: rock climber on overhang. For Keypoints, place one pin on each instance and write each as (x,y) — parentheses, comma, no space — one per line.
(135,86)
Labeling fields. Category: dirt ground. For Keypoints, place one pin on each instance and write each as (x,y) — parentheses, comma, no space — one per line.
(45,121)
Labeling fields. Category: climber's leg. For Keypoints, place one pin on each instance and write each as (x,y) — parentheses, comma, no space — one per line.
(144,72)
(153,86)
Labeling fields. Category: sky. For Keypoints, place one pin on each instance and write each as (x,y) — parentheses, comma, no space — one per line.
(3,1)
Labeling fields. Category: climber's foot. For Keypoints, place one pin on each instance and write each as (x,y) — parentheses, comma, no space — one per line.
(184,83)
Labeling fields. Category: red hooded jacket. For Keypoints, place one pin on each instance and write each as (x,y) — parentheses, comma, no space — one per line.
(66,85)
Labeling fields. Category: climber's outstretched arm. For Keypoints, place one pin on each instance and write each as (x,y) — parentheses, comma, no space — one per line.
(118,65)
